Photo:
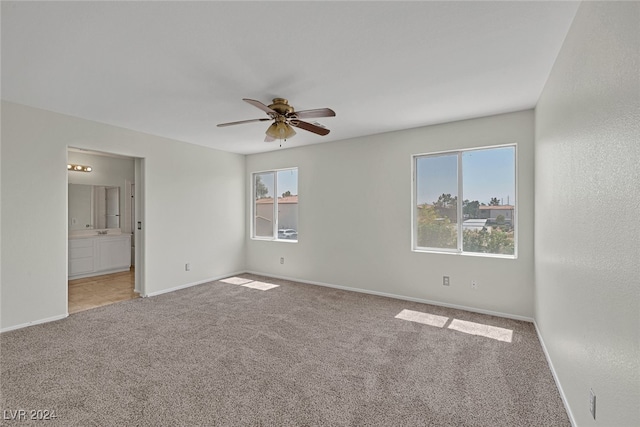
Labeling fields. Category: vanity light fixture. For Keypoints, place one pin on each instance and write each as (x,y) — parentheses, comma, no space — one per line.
(78,168)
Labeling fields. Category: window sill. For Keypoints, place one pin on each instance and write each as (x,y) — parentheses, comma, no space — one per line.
(267,239)
(471,254)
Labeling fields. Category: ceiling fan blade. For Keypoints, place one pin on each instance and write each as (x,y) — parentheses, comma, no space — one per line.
(261,106)
(310,127)
(312,114)
(221,125)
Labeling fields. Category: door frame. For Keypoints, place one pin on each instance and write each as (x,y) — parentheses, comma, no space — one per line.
(137,233)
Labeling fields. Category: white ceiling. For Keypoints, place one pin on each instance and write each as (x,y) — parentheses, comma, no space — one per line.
(176,69)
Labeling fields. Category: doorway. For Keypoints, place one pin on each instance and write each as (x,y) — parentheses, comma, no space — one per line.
(105,256)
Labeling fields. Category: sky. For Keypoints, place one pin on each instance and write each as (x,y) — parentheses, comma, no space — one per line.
(287,181)
(485,174)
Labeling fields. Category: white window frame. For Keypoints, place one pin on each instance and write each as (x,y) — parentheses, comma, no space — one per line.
(275,206)
(460,233)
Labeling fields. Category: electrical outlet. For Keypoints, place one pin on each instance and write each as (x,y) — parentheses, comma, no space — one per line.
(474,284)
(282,260)
(592,403)
(187,267)
(445,281)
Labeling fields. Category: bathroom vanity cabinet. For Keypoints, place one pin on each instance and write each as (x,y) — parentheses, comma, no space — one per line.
(99,254)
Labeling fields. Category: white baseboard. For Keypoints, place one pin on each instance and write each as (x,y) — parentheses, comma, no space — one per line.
(400,297)
(188,285)
(555,377)
(35,322)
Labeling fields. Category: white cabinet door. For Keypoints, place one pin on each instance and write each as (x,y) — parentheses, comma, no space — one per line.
(80,256)
(80,266)
(113,252)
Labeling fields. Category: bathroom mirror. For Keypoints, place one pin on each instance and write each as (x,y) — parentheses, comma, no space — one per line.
(93,207)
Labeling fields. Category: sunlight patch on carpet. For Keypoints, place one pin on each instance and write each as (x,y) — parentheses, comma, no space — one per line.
(424,318)
(260,285)
(236,280)
(500,334)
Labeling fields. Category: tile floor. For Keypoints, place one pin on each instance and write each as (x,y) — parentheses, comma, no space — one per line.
(96,291)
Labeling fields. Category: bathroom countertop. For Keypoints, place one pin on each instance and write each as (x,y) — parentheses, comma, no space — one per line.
(95,234)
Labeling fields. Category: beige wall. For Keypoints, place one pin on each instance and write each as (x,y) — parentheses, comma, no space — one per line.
(264,219)
(287,217)
(588,252)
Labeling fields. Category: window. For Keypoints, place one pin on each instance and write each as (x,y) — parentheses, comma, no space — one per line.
(275,205)
(485,180)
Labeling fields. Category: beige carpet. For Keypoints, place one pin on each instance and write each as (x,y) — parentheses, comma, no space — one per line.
(293,355)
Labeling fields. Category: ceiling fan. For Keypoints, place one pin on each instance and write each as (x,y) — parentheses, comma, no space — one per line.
(285,118)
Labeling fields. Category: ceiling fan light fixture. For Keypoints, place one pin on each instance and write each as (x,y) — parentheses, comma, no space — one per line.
(280,130)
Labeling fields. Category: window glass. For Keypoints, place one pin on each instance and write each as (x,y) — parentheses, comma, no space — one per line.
(437,213)
(488,179)
(263,209)
(275,209)
(485,220)
(287,204)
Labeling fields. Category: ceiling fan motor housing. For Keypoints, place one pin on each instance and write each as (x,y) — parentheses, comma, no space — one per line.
(281,106)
